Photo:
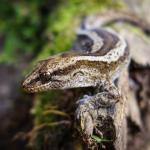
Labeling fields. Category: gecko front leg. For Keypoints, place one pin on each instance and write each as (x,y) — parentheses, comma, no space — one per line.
(107,95)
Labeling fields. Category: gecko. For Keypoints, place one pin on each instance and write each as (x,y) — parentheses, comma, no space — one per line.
(95,60)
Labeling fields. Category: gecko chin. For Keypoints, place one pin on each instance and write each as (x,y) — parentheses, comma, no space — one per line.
(37,85)
(40,87)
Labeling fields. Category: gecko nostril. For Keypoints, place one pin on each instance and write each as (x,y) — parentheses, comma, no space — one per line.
(23,86)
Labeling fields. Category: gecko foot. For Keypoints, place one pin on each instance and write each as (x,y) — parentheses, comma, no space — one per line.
(88,106)
(86,114)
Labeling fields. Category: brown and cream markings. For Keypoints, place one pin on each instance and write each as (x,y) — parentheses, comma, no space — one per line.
(96,59)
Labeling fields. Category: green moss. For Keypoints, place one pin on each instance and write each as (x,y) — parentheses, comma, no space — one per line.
(100,140)
(18,29)
(21,21)
(44,101)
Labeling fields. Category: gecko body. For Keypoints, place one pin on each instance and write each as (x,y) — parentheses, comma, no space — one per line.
(96,60)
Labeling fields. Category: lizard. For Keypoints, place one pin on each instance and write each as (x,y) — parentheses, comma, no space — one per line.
(95,61)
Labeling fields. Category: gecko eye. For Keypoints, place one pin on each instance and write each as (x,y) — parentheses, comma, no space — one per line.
(45,77)
(79,73)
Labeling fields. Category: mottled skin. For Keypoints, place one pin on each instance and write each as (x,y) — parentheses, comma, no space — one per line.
(96,60)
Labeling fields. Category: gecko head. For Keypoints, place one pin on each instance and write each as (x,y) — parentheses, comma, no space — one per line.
(44,76)
(59,72)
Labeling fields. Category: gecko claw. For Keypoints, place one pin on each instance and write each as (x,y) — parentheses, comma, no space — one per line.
(86,115)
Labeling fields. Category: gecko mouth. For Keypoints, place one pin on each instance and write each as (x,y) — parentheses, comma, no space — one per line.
(36,85)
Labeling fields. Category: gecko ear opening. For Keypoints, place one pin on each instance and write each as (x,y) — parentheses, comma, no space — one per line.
(79,73)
